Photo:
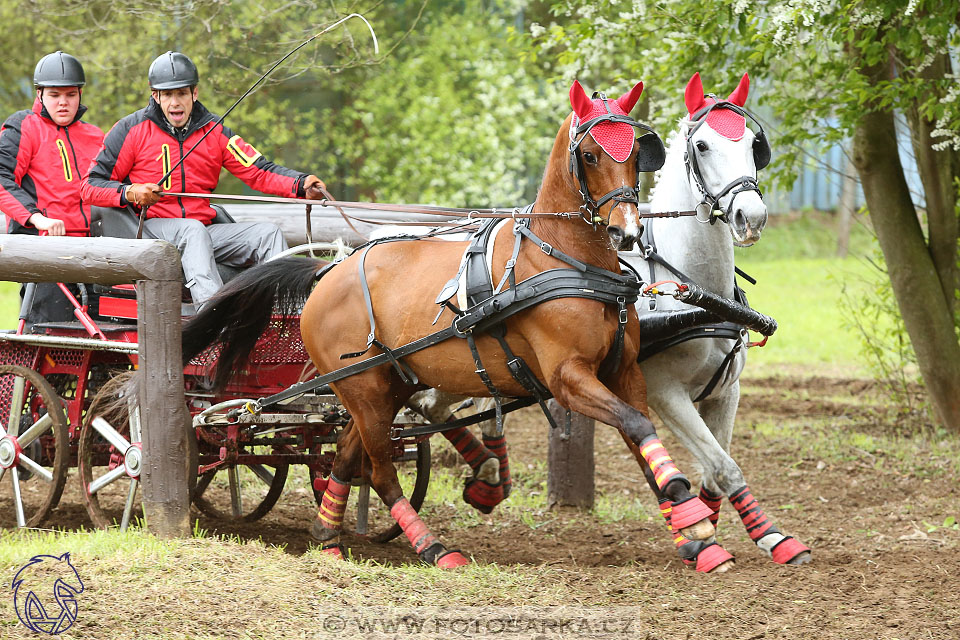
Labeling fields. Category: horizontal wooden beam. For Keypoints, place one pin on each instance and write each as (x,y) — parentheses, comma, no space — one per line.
(25,258)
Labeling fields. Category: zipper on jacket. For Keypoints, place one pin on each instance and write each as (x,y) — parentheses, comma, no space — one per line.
(66,131)
(183,178)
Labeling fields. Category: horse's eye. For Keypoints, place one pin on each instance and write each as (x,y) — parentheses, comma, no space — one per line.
(589,158)
(702,146)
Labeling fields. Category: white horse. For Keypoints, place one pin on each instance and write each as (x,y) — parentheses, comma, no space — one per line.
(712,162)
(707,161)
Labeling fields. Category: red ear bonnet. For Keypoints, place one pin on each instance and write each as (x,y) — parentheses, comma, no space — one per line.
(724,121)
(615,138)
(629,100)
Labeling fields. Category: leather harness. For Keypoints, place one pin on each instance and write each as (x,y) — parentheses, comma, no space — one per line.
(727,330)
(488,308)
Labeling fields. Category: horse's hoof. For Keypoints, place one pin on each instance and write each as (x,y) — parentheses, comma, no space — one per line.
(714,559)
(452,559)
(791,551)
(702,530)
(335,551)
(481,495)
(707,557)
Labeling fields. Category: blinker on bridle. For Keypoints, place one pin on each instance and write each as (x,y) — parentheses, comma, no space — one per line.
(761,158)
(650,157)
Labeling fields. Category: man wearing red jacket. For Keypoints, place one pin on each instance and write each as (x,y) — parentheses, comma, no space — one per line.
(143,146)
(43,154)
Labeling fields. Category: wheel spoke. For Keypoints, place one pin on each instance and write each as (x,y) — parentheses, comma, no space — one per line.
(17,500)
(236,501)
(110,434)
(2,471)
(133,410)
(35,430)
(261,472)
(36,468)
(16,405)
(106,479)
(128,507)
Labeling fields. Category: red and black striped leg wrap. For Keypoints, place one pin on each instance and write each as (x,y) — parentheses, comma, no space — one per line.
(704,556)
(753,517)
(713,502)
(426,545)
(473,452)
(497,445)
(662,465)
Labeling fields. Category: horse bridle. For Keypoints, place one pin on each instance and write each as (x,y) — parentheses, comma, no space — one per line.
(650,157)
(761,158)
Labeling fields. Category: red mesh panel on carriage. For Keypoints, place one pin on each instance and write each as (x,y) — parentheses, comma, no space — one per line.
(279,344)
(16,354)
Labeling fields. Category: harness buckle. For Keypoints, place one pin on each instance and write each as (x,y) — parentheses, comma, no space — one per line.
(511,263)
(546,247)
(622,301)
(395,432)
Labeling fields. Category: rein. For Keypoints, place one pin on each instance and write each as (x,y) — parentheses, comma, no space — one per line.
(452,212)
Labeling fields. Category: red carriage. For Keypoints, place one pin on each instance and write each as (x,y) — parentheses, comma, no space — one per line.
(50,376)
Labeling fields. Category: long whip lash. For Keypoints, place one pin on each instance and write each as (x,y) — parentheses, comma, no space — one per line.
(376,50)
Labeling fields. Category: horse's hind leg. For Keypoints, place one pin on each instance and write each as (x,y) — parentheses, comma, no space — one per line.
(484,490)
(328,524)
(369,402)
(726,478)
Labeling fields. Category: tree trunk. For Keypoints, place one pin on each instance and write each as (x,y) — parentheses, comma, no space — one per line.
(938,169)
(913,275)
(846,208)
(570,464)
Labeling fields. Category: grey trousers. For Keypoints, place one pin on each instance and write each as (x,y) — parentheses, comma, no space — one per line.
(201,247)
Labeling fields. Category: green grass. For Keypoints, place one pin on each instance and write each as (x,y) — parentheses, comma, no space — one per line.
(9,304)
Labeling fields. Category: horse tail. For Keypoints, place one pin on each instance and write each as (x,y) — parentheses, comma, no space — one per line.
(240,311)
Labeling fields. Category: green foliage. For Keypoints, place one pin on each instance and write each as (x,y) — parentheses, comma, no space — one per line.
(455,121)
(870,310)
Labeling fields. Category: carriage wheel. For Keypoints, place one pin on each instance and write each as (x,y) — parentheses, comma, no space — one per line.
(373,518)
(110,462)
(240,492)
(34,445)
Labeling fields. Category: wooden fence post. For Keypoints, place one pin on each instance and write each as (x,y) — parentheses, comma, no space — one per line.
(163,414)
(570,464)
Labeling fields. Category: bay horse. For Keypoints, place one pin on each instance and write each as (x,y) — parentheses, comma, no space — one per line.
(373,298)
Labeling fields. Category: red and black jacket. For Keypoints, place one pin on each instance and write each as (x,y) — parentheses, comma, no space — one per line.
(42,166)
(143,146)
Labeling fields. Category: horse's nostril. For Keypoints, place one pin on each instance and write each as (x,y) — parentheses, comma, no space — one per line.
(740,219)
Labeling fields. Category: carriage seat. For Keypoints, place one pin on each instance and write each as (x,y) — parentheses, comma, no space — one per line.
(122,223)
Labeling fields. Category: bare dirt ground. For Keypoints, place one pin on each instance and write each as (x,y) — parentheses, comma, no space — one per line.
(827,462)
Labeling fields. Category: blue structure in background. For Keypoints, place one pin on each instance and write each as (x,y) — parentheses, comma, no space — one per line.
(820,183)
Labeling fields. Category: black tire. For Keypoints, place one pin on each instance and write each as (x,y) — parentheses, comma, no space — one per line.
(212,506)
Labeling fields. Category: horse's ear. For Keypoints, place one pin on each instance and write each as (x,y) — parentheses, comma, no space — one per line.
(65,556)
(581,103)
(739,95)
(629,100)
(693,95)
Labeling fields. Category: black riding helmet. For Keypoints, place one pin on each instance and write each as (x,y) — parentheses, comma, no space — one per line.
(59,69)
(172,70)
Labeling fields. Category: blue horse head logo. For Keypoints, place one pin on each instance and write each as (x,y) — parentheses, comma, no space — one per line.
(45,594)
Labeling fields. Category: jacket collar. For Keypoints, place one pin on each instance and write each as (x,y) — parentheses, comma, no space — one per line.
(41,111)
(199,117)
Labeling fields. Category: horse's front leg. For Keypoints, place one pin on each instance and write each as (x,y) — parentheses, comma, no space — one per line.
(575,385)
(724,477)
